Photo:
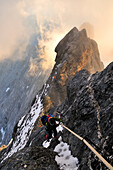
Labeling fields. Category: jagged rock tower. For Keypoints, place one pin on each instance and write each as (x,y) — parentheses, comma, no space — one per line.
(74,52)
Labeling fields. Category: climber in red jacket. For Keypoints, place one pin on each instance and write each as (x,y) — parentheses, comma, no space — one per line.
(50,123)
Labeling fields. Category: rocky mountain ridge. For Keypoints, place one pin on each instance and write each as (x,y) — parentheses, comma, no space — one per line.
(31,158)
(88,112)
(74,52)
(84,101)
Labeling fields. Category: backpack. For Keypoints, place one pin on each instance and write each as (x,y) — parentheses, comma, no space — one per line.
(44,119)
(49,115)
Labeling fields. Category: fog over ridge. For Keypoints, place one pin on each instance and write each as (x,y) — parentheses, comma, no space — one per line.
(54,19)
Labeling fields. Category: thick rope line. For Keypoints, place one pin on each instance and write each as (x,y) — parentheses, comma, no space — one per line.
(89,146)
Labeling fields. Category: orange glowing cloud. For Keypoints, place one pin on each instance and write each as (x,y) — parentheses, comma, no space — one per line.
(62,16)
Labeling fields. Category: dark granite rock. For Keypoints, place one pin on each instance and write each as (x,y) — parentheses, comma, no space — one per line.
(89,113)
(74,52)
(37,137)
(32,158)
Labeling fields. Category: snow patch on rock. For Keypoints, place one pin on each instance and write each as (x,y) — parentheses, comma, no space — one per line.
(64,159)
(46,144)
(59,129)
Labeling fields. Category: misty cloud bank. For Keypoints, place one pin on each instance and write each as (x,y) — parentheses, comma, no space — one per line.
(53,19)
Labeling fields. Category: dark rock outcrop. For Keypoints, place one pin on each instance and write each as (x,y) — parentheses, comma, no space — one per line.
(88,111)
(74,52)
(37,137)
(37,158)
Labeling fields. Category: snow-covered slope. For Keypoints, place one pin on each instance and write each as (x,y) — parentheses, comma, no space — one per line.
(25,127)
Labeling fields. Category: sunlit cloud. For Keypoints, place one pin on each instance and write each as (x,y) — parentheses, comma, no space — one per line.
(54,19)
(12,31)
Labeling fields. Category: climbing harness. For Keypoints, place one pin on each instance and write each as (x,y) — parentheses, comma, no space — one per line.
(89,146)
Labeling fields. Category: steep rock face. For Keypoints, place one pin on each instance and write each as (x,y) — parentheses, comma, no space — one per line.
(88,111)
(74,53)
(31,158)
(18,87)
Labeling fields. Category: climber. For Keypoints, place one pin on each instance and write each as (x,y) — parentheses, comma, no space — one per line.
(50,123)
(54,78)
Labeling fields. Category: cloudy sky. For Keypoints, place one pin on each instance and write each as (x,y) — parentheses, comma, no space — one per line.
(55,18)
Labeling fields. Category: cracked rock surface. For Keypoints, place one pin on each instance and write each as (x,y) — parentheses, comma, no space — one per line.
(88,111)
(31,158)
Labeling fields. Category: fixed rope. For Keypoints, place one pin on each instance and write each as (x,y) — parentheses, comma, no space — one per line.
(89,146)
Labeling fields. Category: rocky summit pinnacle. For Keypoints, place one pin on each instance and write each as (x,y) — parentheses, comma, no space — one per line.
(82,50)
(74,52)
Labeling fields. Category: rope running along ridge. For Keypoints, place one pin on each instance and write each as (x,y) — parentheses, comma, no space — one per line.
(89,146)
